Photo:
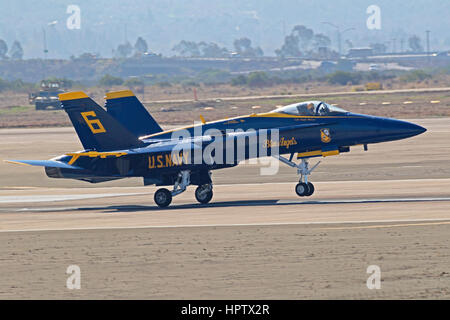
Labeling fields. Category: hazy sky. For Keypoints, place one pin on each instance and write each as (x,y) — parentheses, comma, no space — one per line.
(163,23)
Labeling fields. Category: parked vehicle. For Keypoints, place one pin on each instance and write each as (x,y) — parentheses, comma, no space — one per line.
(47,96)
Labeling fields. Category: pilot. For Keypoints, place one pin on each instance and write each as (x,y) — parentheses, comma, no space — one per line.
(306,109)
(310,108)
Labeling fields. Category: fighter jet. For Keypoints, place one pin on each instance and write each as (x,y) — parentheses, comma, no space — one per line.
(123,140)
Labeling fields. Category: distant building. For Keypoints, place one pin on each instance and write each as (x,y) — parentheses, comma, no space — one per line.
(360,52)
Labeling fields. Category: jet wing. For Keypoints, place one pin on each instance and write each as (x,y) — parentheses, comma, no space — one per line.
(169,145)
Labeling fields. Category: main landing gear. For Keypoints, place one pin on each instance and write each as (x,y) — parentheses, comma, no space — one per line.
(303,188)
(203,193)
(163,197)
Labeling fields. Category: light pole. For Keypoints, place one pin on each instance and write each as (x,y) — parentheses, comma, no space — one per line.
(339,34)
(50,24)
(45,43)
(428,45)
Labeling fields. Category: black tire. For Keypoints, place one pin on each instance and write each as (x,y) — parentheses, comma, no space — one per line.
(162,197)
(301,189)
(310,189)
(202,196)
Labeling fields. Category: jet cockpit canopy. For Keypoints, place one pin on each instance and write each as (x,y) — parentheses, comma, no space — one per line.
(311,108)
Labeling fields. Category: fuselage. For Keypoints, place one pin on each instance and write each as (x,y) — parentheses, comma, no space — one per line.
(344,130)
(310,135)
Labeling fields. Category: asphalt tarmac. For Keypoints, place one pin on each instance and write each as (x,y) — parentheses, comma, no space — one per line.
(388,207)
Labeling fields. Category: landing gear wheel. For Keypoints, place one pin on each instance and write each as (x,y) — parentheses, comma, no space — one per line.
(301,189)
(310,189)
(203,194)
(163,197)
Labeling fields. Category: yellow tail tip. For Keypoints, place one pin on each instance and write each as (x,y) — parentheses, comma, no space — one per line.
(119,94)
(72,95)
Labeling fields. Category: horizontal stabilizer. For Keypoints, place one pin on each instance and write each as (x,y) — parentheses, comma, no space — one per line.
(44,163)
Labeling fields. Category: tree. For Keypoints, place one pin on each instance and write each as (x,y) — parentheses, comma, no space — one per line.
(140,46)
(321,40)
(187,48)
(300,39)
(213,76)
(258,79)
(258,52)
(343,78)
(212,50)
(3,49)
(415,75)
(243,47)
(289,48)
(124,50)
(133,82)
(414,43)
(16,51)
(200,49)
(304,35)
(240,80)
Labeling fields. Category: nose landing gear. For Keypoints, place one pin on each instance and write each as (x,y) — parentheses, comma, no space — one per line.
(303,188)
(163,197)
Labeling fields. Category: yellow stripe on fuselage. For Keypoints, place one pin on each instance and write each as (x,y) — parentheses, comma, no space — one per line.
(94,154)
(316,153)
(330,153)
(285,115)
(309,154)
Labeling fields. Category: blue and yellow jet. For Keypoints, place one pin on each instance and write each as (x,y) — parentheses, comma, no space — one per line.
(125,141)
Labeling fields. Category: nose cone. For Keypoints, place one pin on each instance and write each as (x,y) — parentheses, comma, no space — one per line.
(392,129)
(408,129)
(363,129)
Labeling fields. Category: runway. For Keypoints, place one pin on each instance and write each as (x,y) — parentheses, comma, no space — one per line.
(247,204)
(256,239)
